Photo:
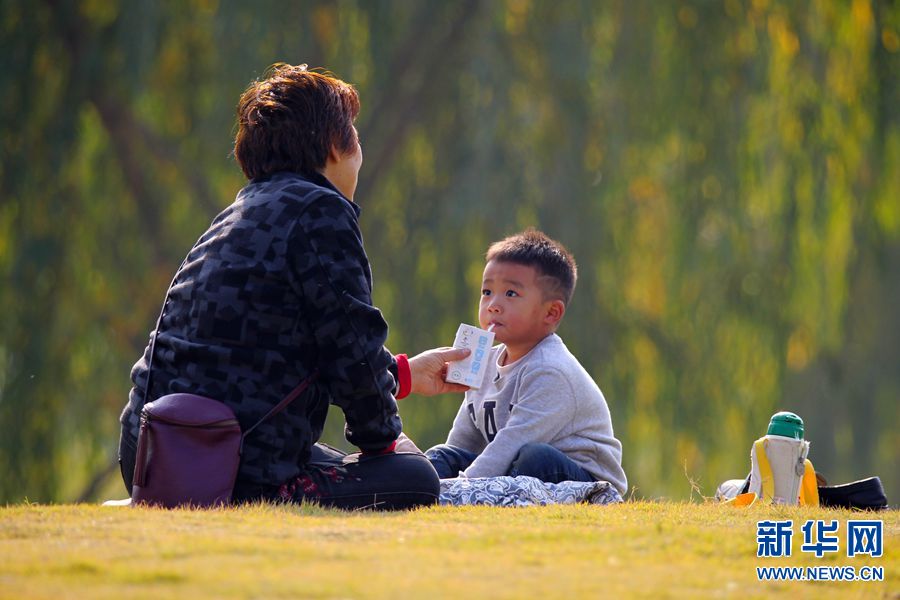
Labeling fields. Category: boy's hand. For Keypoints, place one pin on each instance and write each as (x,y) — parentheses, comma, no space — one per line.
(404,444)
(429,369)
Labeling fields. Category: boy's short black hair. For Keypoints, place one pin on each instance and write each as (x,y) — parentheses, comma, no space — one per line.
(555,266)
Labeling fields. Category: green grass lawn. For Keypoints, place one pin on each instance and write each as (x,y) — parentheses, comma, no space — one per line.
(644,549)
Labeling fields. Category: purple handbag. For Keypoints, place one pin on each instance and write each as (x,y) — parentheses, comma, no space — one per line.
(189,446)
(188,452)
(189,449)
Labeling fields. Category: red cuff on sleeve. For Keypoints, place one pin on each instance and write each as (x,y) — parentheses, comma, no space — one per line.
(386,450)
(404,376)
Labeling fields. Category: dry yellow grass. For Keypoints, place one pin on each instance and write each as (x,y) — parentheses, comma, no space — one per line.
(638,549)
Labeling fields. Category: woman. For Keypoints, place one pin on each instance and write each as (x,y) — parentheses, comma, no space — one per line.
(279,288)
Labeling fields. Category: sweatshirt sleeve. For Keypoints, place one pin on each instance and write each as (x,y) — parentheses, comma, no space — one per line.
(332,270)
(545,407)
(464,434)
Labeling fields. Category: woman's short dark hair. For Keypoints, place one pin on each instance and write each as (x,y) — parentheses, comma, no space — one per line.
(291,119)
(554,266)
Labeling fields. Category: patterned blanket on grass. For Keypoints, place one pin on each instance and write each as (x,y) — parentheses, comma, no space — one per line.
(524,491)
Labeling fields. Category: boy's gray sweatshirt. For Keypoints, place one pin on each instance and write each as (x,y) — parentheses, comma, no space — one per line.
(545,397)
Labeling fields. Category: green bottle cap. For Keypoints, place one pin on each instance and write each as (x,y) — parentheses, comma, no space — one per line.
(786,424)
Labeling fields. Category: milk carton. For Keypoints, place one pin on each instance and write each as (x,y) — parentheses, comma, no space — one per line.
(470,370)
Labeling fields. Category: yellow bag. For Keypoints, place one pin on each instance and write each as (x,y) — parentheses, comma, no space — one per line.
(809,487)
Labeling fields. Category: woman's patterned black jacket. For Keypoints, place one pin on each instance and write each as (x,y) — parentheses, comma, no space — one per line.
(278,286)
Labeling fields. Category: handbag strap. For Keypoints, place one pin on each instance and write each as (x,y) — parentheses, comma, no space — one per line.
(156,330)
(283,404)
(275,409)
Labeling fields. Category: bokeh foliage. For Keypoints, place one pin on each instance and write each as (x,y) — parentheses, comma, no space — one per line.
(726,173)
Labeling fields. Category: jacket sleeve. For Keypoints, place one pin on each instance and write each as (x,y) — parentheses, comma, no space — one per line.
(332,273)
(545,406)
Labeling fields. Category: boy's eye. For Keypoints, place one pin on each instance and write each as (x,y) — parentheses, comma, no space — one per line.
(511,293)
(485,292)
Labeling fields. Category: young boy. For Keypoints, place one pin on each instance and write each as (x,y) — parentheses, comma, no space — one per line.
(538,411)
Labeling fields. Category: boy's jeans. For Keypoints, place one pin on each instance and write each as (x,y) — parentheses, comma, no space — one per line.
(542,461)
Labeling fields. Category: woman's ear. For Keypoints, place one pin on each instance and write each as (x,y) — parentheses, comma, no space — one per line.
(555,311)
(334,155)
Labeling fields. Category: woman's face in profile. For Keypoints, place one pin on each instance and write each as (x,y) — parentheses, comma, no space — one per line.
(343,169)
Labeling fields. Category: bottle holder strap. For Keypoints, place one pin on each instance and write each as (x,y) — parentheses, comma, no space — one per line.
(767,479)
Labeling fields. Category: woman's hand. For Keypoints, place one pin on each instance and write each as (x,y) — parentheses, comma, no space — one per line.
(428,370)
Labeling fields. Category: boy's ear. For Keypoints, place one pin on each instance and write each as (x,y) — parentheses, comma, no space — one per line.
(555,311)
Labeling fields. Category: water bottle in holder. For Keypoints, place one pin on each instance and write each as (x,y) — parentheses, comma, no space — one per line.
(779,465)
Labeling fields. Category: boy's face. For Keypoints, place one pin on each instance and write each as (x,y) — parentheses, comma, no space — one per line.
(513,302)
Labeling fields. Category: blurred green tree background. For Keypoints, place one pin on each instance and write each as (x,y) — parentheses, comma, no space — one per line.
(727,175)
